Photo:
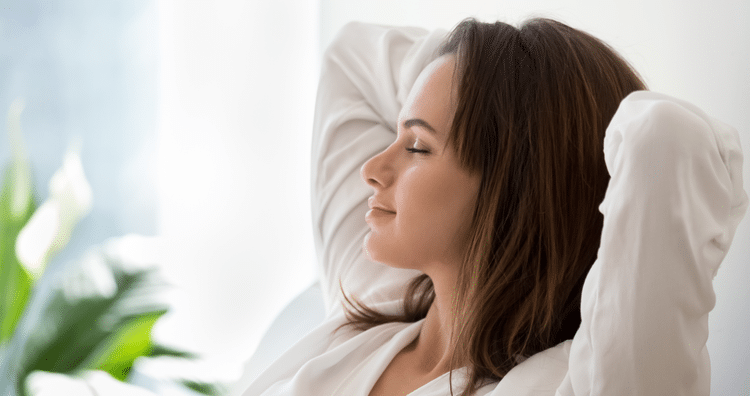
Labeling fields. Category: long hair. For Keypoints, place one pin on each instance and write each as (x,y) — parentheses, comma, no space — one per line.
(533,106)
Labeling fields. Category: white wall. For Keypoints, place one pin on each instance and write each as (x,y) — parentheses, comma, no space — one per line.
(698,51)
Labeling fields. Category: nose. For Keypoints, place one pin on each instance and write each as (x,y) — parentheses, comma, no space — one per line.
(377,172)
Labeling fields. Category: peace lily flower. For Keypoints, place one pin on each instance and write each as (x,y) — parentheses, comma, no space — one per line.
(92,277)
(50,227)
(90,383)
(21,190)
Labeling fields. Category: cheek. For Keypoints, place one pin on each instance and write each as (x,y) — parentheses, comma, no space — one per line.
(436,207)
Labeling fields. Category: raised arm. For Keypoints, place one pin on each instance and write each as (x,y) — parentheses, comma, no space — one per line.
(670,213)
(367,73)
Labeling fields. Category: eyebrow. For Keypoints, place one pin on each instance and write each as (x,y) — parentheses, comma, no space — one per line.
(419,122)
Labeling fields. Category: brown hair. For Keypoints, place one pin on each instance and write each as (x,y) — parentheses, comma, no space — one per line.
(533,106)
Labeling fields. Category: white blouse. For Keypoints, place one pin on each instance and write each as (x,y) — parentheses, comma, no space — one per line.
(671,208)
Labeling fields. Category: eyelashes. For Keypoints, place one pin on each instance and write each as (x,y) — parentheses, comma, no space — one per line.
(415,150)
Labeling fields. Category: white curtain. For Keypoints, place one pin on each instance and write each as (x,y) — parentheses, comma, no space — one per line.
(237,90)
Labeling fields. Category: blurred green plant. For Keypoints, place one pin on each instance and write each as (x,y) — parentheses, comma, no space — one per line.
(99,312)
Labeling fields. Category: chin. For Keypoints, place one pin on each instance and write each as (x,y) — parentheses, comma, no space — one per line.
(375,254)
(372,252)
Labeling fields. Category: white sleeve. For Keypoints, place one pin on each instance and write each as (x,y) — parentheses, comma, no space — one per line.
(670,212)
(366,75)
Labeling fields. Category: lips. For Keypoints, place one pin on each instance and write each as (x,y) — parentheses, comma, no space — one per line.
(376,217)
(375,205)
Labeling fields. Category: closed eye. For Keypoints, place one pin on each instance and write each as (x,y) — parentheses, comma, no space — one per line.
(413,150)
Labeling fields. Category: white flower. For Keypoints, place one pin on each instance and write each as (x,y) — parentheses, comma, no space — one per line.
(91,383)
(42,383)
(20,167)
(91,277)
(49,228)
(135,252)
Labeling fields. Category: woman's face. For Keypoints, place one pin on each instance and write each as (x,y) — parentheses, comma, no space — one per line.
(423,200)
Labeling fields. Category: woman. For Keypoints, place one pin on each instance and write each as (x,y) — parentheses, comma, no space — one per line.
(484,174)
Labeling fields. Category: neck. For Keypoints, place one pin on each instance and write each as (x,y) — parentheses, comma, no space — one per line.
(432,349)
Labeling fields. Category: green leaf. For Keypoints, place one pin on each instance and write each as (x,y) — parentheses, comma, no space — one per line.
(17,204)
(161,350)
(118,352)
(99,316)
(15,282)
(204,388)
(85,325)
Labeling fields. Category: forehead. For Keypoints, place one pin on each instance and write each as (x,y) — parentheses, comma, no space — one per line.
(432,98)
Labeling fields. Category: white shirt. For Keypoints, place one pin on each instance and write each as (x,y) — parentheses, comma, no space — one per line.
(670,212)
